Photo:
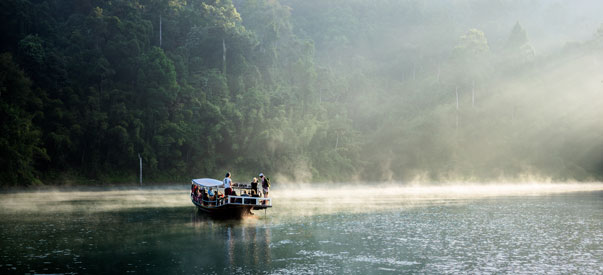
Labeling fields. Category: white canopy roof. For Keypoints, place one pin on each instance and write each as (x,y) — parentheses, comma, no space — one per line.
(207,182)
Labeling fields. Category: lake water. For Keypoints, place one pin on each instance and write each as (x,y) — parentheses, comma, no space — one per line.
(388,229)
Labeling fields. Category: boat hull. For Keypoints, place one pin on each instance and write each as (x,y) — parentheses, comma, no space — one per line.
(226,211)
(260,207)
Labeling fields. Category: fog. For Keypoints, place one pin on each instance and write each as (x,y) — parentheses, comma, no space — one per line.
(302,90)
(462,90)
(289,200)
(93,200)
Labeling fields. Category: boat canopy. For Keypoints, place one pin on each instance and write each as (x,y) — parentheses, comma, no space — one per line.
(207,182)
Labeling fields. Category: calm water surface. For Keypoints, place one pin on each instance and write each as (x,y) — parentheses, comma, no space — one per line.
(350,229)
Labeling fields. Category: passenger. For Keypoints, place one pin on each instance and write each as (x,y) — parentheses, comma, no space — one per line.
(244,200)
(219,198)
(265,184)
(227,182)
(200,195)
(212,196)
(234,193)
(204,197)
(254,184)
(254,194)
(195,192)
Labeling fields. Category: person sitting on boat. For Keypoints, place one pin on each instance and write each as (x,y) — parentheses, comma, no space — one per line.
(197,193)
(200,194)
(211,196)
(204,197)
(219,198)
(227,184)
(244,194)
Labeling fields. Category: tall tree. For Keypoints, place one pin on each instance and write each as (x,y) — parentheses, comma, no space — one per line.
(20,145)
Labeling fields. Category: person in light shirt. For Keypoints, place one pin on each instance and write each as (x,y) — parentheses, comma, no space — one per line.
(227,184)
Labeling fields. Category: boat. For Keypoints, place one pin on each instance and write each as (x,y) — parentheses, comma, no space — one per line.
(221,206)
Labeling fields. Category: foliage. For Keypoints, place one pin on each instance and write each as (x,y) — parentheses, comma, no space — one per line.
(308,90)
(20,141)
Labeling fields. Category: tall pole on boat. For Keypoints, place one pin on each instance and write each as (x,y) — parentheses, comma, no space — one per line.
(140,159)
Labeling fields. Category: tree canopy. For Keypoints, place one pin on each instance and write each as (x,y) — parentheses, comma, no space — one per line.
(306,90)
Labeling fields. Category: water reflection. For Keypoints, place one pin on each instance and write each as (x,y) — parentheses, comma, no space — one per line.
(244,242)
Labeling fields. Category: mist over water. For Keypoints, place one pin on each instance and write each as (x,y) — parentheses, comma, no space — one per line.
(312,228)
(301,198)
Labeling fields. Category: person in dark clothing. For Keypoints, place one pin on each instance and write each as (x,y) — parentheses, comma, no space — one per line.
(204,197)
(265,185)
(254,184)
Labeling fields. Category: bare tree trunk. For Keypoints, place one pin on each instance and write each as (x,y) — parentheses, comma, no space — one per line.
(140,163)
(438,73)
(223,56)
(457,98)
(160,29)
(457,107)
(473,94)
(414,72)
(320,96)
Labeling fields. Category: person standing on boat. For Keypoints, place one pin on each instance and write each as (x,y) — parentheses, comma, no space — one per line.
(265,184)
(227,183)
(254,185)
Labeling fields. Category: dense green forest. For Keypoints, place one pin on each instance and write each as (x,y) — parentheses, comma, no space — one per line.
(302,90)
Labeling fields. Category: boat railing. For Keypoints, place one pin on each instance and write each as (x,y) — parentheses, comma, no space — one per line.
(238,200)
(216,202)
(246,200)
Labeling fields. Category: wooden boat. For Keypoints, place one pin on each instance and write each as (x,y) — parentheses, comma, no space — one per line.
(221,206)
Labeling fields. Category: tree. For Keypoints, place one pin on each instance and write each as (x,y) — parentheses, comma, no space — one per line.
(472,43)
(223,17)
(518,48)
(20,144)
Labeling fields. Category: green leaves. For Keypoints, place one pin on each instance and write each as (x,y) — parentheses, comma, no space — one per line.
(223,15)
(323,89)
(20,145)
(473,43)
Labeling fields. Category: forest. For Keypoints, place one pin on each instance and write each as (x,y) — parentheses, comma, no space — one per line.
(302,90)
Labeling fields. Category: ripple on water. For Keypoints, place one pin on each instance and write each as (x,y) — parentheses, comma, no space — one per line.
(514,234)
